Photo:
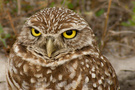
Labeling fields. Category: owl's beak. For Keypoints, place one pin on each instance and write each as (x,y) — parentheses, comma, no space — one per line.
(50,47)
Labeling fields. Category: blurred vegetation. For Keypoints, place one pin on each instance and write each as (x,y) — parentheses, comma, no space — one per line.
(119,36)
(131,21)
(3,36)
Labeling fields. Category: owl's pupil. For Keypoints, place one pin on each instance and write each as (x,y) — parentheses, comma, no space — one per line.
(69,32)
(36,31)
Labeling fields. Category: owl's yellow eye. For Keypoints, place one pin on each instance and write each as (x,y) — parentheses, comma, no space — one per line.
(69,34)
(35,32)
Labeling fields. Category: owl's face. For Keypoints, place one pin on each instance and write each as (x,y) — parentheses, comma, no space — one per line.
(55,31)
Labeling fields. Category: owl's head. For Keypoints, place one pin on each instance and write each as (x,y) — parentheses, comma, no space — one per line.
(53,32)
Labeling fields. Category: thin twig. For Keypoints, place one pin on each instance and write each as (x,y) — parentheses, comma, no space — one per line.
(19,7)
(105,26)
(11,23)
(123,32)
(63,4)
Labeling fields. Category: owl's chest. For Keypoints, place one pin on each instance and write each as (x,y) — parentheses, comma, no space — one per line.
(78,74)
(67,75)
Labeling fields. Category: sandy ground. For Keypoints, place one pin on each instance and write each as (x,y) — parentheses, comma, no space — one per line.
(125,69)
(3,63)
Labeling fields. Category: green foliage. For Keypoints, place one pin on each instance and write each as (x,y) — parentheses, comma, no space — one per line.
(62,2)
(130,22)
(52,4)
(6,1)
(70,6)
(3,36)
(100,12)
(1,29)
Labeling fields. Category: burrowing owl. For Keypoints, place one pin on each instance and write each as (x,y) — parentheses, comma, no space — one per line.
(56,50)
